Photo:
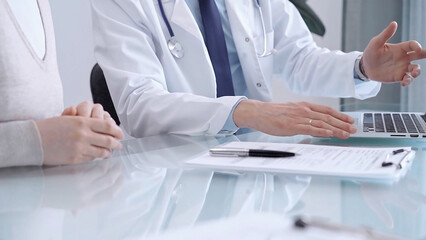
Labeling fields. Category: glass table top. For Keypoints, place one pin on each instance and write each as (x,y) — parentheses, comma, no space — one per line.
(143,191)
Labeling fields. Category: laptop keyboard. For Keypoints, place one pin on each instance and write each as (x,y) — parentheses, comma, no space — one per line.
(392,123)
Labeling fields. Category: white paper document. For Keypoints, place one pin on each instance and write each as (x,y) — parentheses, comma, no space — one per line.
(358,162)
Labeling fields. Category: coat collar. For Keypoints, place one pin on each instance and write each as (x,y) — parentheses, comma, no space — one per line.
(238,12)
(182,17)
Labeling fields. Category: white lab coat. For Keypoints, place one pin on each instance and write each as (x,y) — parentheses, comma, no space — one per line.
(155,93)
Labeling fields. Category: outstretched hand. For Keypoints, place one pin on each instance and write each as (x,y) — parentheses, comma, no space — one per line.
(385,62)
(288,119)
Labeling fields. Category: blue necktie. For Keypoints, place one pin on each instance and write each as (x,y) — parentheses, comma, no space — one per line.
(216,46)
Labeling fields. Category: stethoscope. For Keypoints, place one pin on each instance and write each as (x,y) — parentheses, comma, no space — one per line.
(173,44)
(265,53)
(178,51)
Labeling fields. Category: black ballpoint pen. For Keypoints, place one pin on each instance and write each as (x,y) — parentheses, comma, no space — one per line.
(243,152)
(367,232)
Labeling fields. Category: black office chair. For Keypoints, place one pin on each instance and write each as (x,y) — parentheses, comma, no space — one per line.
(100,92)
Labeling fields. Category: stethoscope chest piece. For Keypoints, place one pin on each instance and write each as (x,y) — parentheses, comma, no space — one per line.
(174,45)
(175,48)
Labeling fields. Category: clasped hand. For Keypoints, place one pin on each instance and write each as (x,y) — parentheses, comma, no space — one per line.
(80,134)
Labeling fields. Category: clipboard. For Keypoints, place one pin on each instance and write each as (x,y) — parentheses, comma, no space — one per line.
(349,162)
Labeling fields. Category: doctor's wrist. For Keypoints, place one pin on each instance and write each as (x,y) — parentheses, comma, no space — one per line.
(246,113)
(359,69)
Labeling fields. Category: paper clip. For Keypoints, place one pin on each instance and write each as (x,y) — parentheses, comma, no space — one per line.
(404,160)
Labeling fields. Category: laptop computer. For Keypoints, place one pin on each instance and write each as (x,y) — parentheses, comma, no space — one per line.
(389,124)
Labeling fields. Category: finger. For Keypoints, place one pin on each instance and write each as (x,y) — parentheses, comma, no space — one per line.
(106,127)
(337,132)
(106,115)
(313,131)
(413,56)
(332,123)
(84,109)
(97,111)
(411,46)
(329,111)
(386,34)
(415,70)
(406,80)
(70,111)
(66,111)
(105,141)
(97,152)
(81,159)
(86,159)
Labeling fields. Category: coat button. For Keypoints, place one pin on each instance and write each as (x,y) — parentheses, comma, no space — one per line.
(258,84)
(247,39)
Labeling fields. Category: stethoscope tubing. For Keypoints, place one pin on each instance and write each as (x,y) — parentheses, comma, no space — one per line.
(265,38)
(173,42)
(163,14)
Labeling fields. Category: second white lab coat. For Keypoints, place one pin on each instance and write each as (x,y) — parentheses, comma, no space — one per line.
(155,93)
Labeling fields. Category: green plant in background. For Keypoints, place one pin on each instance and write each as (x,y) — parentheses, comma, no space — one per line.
(311,19)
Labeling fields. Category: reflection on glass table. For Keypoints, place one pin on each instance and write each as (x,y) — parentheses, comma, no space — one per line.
(34,201)
(143,192)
